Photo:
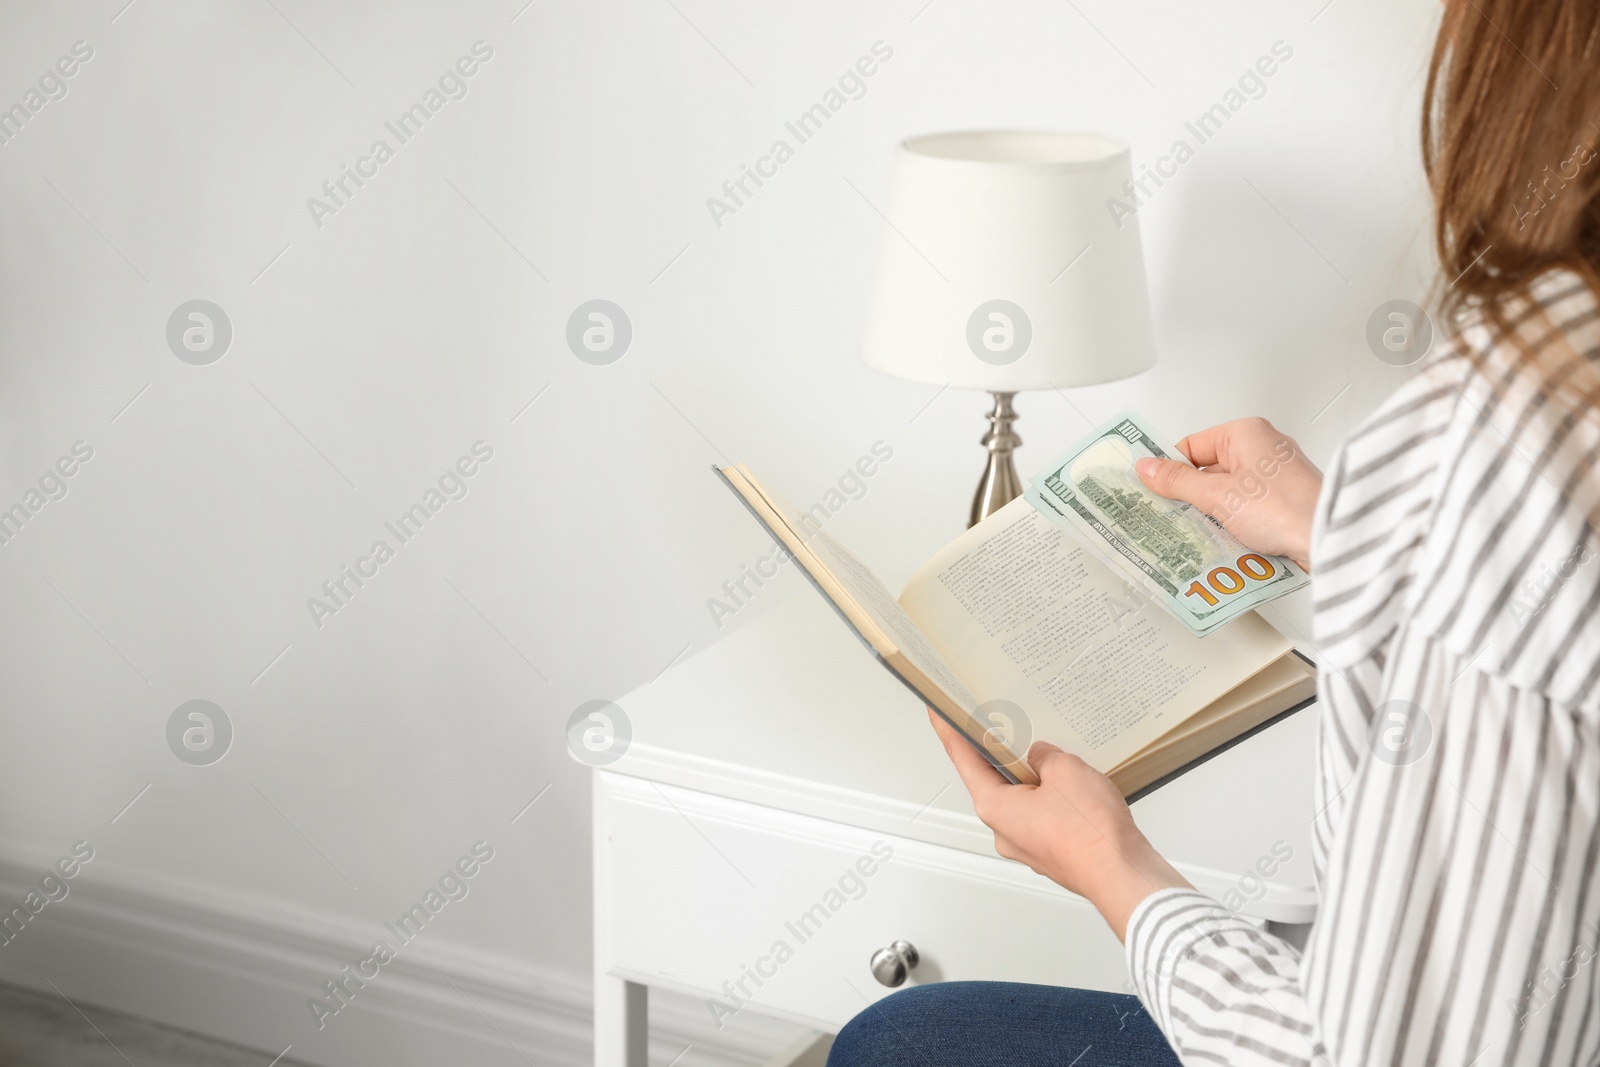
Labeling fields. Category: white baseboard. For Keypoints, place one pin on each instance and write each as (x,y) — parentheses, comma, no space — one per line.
(241,970)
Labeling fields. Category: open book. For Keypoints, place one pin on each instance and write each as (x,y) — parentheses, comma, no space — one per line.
(1014,632)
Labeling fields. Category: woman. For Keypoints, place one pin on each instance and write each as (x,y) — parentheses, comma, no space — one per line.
(1455,606)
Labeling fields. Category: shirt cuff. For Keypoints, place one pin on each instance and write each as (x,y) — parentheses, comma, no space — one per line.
(1162,932)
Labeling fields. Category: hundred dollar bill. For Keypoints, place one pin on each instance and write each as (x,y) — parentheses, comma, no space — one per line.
(1174,551)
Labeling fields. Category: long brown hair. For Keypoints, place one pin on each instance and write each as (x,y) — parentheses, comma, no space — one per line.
(1511,147)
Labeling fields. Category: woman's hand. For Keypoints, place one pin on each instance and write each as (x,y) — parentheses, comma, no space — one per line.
(1074,828)
(1253,479)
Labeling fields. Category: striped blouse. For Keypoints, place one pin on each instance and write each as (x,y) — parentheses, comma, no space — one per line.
(1457,610)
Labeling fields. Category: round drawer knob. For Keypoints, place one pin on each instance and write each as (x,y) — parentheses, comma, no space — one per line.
(891,965)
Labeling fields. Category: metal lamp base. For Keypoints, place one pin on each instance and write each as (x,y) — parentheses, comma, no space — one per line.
(999,485)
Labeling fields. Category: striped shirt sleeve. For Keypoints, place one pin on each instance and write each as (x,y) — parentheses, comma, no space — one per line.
(1220,989)
(1457,837)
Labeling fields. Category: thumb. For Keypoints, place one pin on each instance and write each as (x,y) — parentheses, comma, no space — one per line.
(1177,481)
(1042,754)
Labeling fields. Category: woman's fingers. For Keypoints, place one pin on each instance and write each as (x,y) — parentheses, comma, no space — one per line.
(1206,447)
(981,779)
(1045,757)
(1179,481)
(1255,481)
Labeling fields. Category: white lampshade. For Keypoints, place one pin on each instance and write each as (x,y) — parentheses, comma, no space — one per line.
(973,287)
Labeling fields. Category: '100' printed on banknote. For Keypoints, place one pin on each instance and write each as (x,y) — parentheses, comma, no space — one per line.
(1177,553)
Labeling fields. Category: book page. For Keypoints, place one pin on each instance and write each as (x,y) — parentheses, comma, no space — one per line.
(853,587)
(872,595)
(869,609)
(1031,617)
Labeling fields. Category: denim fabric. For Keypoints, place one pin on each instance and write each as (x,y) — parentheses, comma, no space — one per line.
(1002,1024)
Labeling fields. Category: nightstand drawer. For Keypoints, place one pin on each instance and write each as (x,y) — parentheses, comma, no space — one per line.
(752,907)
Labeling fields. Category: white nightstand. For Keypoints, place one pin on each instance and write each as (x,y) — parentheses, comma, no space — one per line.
(782,763)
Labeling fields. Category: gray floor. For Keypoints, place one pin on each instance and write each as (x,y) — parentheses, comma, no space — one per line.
(46,1031)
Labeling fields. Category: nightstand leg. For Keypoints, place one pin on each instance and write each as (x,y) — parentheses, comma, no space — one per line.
(621,1022)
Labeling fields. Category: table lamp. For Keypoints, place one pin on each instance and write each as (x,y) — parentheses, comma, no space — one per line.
(1011,262)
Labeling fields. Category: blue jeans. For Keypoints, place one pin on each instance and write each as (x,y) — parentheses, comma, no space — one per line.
(1002,1024)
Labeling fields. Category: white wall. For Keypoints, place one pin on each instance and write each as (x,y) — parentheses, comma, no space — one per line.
(421,318)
